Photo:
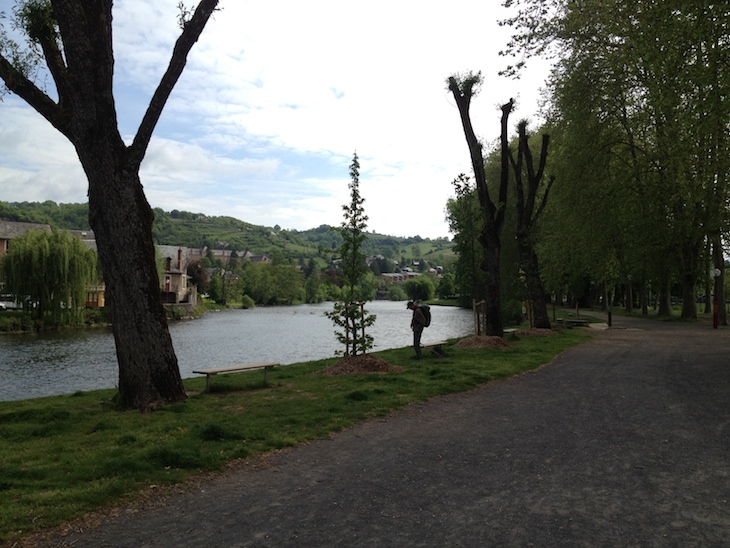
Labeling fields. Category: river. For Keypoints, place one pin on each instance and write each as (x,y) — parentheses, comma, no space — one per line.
(64,362)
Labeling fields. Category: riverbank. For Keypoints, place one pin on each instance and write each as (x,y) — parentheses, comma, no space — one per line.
(62,362)
(66,456)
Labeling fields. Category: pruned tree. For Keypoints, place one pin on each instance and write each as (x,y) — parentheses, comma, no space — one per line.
(349,313)
(74,38)
(463,89)
(528,212)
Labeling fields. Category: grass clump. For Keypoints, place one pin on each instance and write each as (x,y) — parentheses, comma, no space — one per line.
(64,456)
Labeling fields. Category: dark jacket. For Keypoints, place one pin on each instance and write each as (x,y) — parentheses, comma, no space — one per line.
(419,320)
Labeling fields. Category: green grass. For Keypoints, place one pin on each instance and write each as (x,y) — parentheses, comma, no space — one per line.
(64,456)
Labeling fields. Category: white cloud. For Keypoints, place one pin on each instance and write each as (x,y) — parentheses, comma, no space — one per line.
(275,99)
(36,162)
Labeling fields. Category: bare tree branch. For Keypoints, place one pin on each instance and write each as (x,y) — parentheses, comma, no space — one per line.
(191,32)
(29,92)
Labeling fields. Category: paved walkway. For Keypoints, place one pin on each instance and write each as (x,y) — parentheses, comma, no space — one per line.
(623,441)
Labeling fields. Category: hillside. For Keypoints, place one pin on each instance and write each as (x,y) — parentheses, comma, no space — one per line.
(198,230)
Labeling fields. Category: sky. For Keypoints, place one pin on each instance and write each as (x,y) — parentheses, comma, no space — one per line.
(276,98)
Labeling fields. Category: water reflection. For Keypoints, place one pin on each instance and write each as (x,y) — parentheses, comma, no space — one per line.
(60,363)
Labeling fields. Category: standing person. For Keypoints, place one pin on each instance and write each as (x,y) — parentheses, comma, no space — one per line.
(418,322)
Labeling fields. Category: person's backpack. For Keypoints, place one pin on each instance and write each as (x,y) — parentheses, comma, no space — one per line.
(426,314)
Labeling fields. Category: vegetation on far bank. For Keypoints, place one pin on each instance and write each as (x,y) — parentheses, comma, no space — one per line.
(66,456)
(198,230)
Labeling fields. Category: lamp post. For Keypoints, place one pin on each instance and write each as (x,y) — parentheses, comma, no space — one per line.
(716,276)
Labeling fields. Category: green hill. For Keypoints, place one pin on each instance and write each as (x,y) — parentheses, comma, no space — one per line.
(198,230)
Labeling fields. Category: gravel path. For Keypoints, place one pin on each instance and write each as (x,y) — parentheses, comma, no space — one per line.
(623,441)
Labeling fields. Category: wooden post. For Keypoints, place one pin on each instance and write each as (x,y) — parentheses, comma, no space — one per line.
(474,312)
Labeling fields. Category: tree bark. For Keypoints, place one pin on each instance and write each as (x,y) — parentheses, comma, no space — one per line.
(689,253)
(644,297)
(665,305)
(122,222)
(493,324)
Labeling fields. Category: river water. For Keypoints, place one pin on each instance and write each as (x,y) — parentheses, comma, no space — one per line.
(54,363)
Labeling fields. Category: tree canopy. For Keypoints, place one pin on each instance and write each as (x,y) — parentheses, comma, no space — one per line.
(640,120)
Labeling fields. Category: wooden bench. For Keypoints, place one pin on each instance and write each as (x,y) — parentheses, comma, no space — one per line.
(573,321)
(435,348)
(235,369)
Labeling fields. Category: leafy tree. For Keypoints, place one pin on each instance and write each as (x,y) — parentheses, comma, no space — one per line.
(420,289)
(247,302)
(258,283)
(74,37)
(215,288)
(312,288)
(446,286)
(51,272)
(397,293)
(349,312)
(463,88)
(464,218)
(288,284)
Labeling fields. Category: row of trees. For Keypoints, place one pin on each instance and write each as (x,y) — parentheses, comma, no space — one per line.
(639,127)
(641,123)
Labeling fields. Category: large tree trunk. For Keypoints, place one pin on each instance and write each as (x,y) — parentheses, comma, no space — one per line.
(644,297)
(689,253)
(122,222)
(494,326)
(665,305)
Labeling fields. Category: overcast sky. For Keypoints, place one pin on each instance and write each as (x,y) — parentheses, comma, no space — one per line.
(276,98)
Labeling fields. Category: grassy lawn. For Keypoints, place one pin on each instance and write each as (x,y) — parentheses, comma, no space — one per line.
(64,456)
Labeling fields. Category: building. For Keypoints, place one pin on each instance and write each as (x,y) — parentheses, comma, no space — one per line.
(175,287)
(9,230)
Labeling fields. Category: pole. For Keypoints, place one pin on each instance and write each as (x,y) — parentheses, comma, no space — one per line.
(715,304)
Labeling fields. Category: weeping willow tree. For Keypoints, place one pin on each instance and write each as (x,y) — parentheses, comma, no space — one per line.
(50,272)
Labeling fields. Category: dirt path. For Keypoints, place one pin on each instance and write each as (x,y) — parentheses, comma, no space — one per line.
(624,441)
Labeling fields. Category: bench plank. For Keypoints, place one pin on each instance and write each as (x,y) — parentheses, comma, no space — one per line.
(574,321)
(235,368)
(435,348)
